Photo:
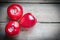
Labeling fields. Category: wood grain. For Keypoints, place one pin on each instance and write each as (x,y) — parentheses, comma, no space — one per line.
(32,1)
(48,13)
(43,12)
(39,31)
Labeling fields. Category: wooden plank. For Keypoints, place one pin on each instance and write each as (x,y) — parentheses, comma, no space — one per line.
(2,31)
(43,12)
(32,1)
(40,31)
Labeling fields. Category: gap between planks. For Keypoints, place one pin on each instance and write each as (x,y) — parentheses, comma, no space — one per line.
(34,2)
(39,22)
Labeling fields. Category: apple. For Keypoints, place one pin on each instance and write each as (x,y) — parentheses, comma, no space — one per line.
(12,28)
(28,21)
(14,11)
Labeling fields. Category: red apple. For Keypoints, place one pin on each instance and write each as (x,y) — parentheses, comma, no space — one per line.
(28,20)
(12,28)
(14,11)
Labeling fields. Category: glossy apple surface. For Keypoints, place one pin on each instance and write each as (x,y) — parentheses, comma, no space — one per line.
(14,11)
(28,20)
(12,28)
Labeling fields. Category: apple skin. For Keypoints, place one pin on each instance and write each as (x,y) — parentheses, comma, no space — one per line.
(12,28)
(14,11)
(28,21)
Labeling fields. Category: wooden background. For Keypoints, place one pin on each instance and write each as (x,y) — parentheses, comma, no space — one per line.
(47,13)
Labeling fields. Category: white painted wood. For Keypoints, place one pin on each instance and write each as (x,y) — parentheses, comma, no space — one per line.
(2,30)
(40,31)
(30,1)
(43,12)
